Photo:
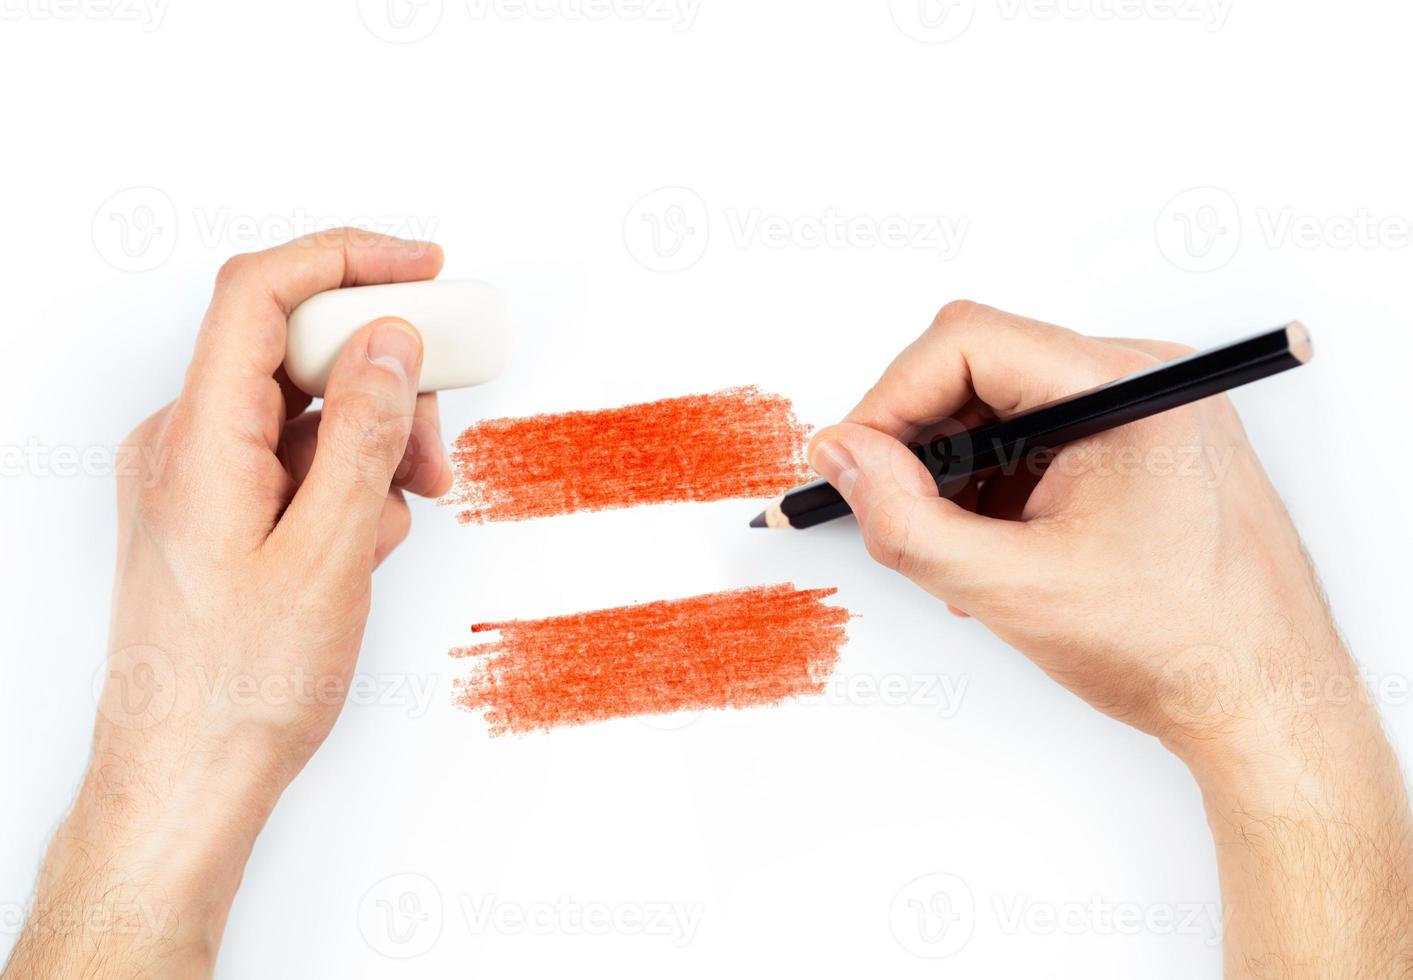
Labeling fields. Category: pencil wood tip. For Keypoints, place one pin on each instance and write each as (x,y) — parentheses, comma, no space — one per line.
(773,516)
(1301,347)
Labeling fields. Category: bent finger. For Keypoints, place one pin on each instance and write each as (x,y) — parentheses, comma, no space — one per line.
(1010,363)
(363,431)
(243,336)
(425,469)
(906,525)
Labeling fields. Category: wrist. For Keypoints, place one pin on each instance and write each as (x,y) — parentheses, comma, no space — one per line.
(184,814)
(1311,827)
(1245,712)
(146,864)
(1273,732)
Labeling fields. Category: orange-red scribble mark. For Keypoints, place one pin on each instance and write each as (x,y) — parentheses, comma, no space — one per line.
(737,649)
(737,443)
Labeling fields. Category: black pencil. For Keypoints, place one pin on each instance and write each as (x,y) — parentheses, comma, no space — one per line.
(954,459)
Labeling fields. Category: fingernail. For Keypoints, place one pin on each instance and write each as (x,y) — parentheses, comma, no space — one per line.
(395,346)
(833,462)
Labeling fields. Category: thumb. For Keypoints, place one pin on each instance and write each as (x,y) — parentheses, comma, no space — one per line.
(364,428)
(949,551)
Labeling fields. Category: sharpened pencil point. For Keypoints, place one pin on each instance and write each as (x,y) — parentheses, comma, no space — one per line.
(773,516)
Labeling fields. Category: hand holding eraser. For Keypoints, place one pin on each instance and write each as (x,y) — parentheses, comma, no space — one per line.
(465,330)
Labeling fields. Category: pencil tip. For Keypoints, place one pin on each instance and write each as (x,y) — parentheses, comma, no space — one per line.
(759,520)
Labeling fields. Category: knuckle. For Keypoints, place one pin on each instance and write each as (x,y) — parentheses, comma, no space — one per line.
(353,412)
(956,313)
(155,455)
(1125,360)
(343,236)
(886,537)
(1176,350)
(151,506)
(882,549)
(367,436)
(236,270)
(146,431)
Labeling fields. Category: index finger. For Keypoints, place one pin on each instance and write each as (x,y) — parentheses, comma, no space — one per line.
(1008,362)
(242,339)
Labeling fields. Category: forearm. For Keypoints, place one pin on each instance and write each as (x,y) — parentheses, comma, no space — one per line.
(140,876)
(1313,837)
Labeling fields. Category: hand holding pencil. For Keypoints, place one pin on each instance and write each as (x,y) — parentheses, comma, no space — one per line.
(1127,516)
(1153,571)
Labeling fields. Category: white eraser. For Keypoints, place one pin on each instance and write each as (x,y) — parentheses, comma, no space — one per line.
(465,331)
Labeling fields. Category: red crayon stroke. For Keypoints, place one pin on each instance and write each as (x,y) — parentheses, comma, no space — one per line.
(737,443)
(738,649)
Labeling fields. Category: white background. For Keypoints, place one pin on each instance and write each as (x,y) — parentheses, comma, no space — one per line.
(524,144)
